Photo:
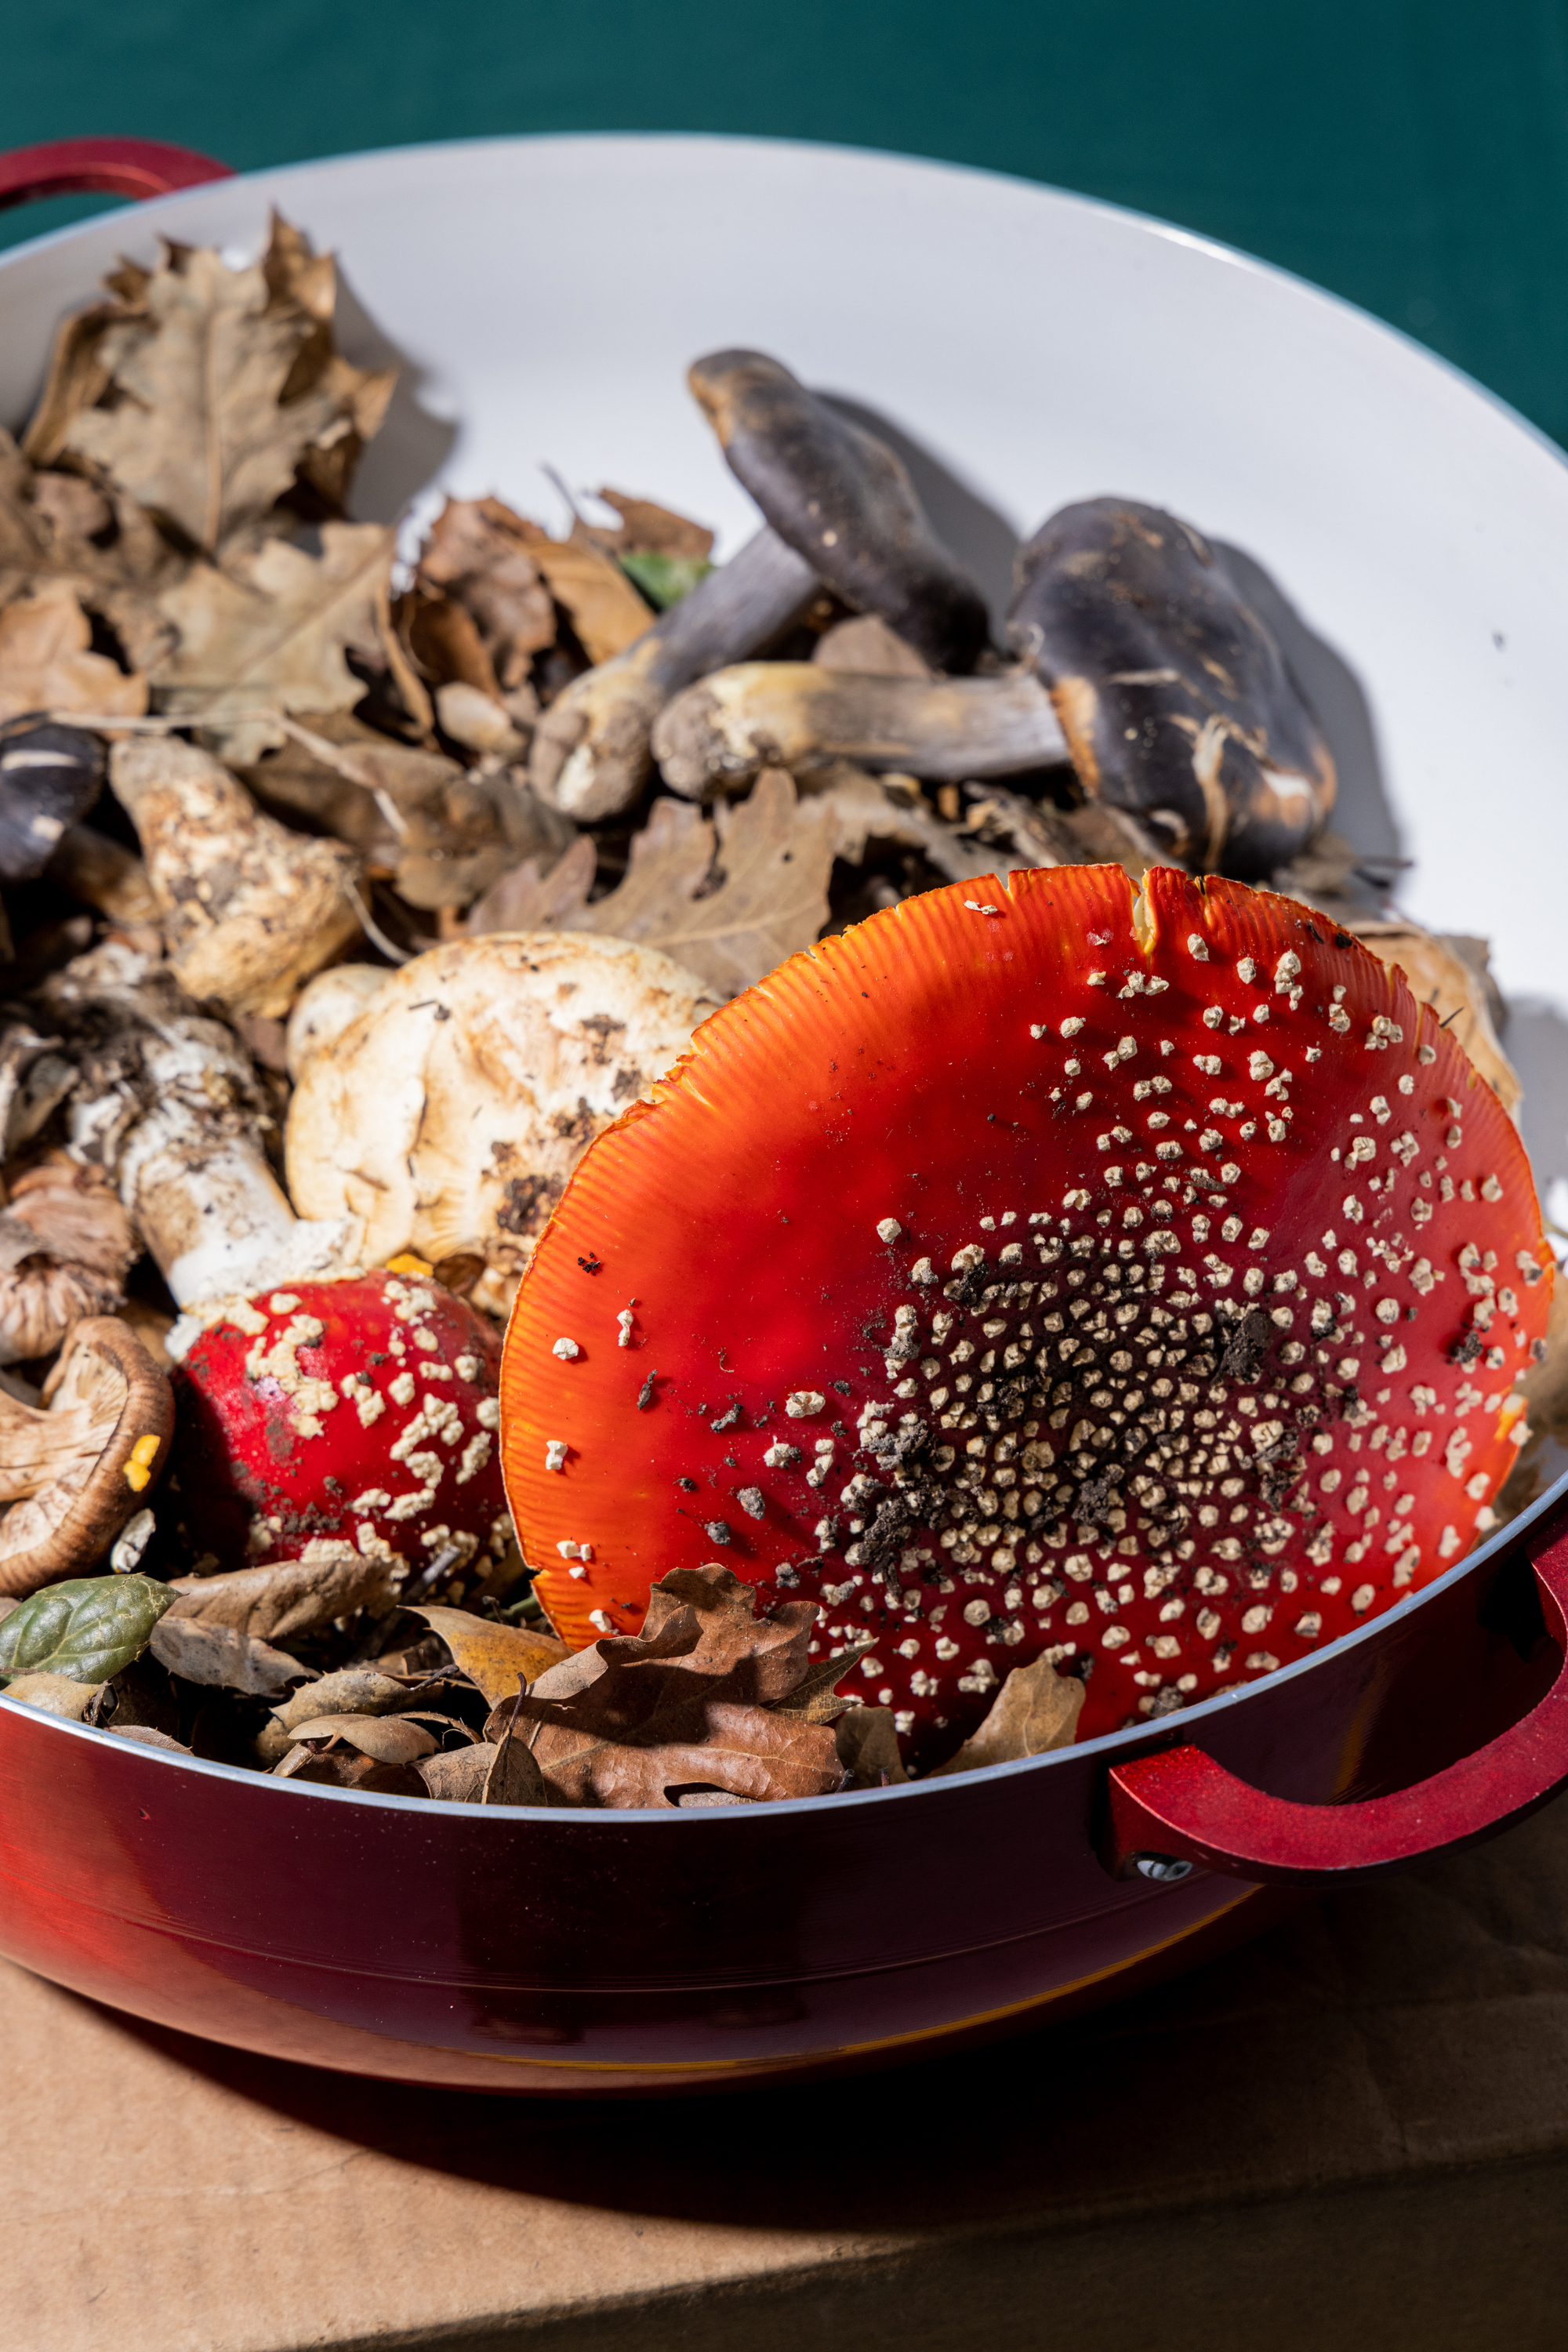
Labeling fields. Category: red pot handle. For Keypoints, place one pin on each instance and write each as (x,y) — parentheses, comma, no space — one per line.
(124,167)
(1178,1808)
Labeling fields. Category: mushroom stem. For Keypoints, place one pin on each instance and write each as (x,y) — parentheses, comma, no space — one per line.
(166,1105)
(803,716)
(591,753)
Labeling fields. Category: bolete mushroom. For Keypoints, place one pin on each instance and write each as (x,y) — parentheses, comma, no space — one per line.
(1176,700)
(166,1104)
(451,1112)
(74,1473)
(590,757)
(804,716)
(1137,1279)
(843,500)
(249,909)
(353,1414)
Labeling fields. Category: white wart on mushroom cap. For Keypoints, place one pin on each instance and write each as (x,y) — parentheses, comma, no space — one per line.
(450,1113)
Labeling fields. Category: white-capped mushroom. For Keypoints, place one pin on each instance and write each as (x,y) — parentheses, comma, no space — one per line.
(451,1112)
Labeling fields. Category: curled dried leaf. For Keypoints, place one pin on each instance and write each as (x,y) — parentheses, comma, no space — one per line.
(391,1739)
(288,1596)
(222,1659)
(1035,1711)
(492,1655)
(55,1694)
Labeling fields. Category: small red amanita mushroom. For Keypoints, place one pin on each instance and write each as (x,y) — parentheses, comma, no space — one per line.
(1138,1280)
(357,1413)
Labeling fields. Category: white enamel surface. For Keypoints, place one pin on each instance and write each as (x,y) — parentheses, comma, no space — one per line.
(548,295)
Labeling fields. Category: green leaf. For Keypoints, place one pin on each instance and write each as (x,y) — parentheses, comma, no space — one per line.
(663,580)
(90,1628)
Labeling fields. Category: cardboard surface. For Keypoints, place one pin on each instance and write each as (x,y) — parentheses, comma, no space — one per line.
(1359,2124)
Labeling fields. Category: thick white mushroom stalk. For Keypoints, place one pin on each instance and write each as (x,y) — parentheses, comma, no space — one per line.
(167,1105)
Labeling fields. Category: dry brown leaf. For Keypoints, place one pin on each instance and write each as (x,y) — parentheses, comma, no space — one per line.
(77,375)
(345,1768)
(271,634)
(606,611)
(390,1738)
(815,1698)
(228,382)
(492,1655)
(868,1747)
(145,1735)
(1035,1711)
(775,858)
(223,1659)
(649,530)
(524,899)
(683,1706)
(477,554)
(55,1694)
(283,1597)
(46,662)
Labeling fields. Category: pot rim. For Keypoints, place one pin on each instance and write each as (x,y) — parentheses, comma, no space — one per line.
(1111,1743)
(1162,1730)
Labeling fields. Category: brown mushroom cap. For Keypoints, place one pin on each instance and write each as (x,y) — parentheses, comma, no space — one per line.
(843,500)
(1174,698)
(74,1473)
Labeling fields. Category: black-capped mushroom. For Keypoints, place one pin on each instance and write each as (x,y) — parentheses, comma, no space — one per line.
(1174,698)
(804,716)
(845,503)
(50,776)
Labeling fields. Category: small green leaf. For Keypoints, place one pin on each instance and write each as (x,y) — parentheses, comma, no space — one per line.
(663,580)
(90,1628)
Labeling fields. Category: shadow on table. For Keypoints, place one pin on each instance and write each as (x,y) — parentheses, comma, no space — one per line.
(1324,2051)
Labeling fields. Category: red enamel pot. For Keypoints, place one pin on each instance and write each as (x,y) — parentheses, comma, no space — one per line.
(568,1953)
(594,1953)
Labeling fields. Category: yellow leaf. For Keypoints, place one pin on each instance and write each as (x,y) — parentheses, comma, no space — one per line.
(493,1656)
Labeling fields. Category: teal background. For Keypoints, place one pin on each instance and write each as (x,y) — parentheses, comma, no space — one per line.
(1412,155)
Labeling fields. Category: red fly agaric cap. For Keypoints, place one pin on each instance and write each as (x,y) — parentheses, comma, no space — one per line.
(358,1413)
(1039,1268)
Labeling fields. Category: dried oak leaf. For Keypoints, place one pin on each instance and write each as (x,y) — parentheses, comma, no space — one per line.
(649,530)
(1035,1709)
(729,923)
(683,1705)
(227,382)
(271,633)
(492,1655)
(479,556)
(77,375)
(868,1744)
(284,1597)
(46,662)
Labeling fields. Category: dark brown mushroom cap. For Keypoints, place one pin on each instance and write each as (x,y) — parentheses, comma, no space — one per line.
(841,499)
(50,776)
(1176,700)
(74,1473)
